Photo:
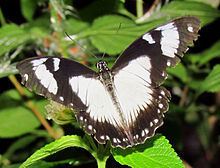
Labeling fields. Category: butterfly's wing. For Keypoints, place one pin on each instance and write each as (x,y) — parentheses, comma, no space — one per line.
(75,86)
(49,77)
(140,70)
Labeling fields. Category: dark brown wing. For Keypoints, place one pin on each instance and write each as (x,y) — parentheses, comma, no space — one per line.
(140,70)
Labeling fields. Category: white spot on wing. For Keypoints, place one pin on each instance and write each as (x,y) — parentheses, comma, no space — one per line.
(156,121)
(25,77)
(148,38)
(118,140)
(107,137)
(61,98)
(160,105)
(38,62)
(90,127)
(56,63)
(146,131)
(190,28)
(46,78)
(168,63)
(102,137)
(170,39)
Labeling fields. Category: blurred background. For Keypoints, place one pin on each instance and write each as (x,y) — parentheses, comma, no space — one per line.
(98,27)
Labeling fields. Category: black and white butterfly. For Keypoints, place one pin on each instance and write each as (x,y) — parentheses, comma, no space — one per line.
(124,104)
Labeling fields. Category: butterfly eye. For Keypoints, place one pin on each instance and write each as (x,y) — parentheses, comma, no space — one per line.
(102,65)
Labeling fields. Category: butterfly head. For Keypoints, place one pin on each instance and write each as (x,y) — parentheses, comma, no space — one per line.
(102,66)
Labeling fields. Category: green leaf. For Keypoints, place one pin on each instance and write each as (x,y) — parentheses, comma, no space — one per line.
(98,8)
(11,98)
(204,12)
(180,72)
(207,55)
(195,84)
(213,3)
(73,26)
(11,166)
(212,81)
(28,8)
(39,25)
(7,69)
(62,163)
(16,121)
(58,145)
(156,152)
(11,36)
(112,34)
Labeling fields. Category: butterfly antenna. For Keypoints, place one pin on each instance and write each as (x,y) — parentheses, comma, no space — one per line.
(119,27)
(80,46)
(103,55)
(116,33)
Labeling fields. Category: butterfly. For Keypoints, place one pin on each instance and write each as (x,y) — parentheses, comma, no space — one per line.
(124,104)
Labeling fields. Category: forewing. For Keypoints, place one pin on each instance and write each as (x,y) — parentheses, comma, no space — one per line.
(49,77)
(140,70)
(163,46)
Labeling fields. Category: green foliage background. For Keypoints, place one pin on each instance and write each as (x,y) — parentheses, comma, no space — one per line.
(27,139)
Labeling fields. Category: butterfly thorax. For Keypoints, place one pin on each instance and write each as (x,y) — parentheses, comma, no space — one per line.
(105,75)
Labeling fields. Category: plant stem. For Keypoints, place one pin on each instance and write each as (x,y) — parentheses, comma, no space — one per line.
(17,85)
(184,96)
(146,15)
(101,163)
(91,142)
(44,122)
(102,155)
(139,8)
(33,108)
